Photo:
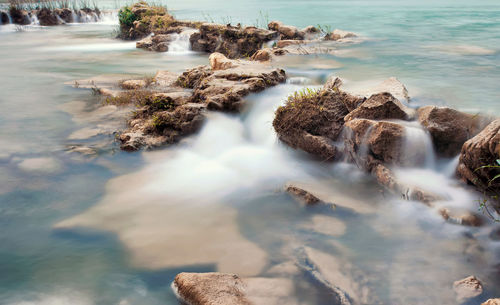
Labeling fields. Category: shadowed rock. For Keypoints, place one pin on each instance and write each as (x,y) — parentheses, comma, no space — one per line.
(302,195)
(381,106)
(492,302)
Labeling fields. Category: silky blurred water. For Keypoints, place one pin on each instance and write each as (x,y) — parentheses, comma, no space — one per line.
(116,228)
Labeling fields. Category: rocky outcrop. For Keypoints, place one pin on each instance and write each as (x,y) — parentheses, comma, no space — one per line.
(482,150)
(140,19)
(222,86)
(467,288)
(170,107)
(232,41)
(381,106)
(449,128)
(286,31)
(313,120)
(492,302)
(4,17)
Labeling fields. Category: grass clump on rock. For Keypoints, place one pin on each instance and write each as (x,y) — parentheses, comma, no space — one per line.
(140,19)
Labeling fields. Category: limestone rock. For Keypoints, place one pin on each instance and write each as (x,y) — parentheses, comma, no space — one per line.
(381,106)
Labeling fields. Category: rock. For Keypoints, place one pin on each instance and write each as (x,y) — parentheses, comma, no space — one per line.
(230,289)
(220,62)
(166,78)
(334,83)
(465,218)
(311,30)
(19,16)
(449,128)
(65,14)
(4,17)
(339,34)
(224,89)
(288,42)
(467,288)
(210,288)
(145,43)
(312,122)
(368,140)
(47,17)
(381,106)
(233,42)
(133,84)
(481,150)
(495,234)
(262,55)
(492,302)
(302,195)
(285,31)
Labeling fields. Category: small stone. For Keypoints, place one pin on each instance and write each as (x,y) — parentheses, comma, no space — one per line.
(467,288)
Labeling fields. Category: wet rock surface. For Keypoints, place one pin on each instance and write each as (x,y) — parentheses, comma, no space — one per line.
(492,302)
(482,150)
(302,195)
(381,106)
(449,128)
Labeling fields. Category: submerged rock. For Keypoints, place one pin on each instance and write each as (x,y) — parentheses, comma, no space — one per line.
(302,195)
(449,128)
(467,288)
(465,218)
(339,34)
(479,151)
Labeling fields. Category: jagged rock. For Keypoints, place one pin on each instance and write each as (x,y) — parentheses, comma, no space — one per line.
(145,43)
(449,128)
(492,302)
(391,85)
(290,42)
(339,34)
(224,89)
(481,150)
(302,195)
(312,122)
(47,17)
(19,16)
(381,106)
(157,43)
(311,30)
(285,31)
(467,288)
(232,41)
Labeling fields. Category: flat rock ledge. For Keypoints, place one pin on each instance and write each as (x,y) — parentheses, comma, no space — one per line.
(170,107)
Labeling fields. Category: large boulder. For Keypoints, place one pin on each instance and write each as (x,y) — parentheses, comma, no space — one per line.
(381,106)
(4,17)
(479,151)
(48,17)
(313,120)
(467,288)
(448,127)
(19,16)
(65,14)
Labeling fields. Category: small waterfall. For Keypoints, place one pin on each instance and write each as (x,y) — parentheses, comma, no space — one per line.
(417,147)
(74,17)
(270,43)
(59,20)
(180,43)
(10,18)
(34,19)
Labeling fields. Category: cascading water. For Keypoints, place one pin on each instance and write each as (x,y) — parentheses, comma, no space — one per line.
(74,17)
(180,44)
(417,147)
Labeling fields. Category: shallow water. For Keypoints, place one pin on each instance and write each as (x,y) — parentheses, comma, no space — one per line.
(116,228)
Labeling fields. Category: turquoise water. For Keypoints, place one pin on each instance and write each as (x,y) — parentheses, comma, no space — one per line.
(117,227)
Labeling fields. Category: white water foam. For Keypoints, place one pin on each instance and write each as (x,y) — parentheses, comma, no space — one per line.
(180,44)
(418,149)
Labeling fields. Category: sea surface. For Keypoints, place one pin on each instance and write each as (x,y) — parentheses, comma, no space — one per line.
(116,227)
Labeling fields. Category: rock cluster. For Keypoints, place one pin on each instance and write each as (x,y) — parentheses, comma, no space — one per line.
(50,16)
(371,132)
(170,107)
